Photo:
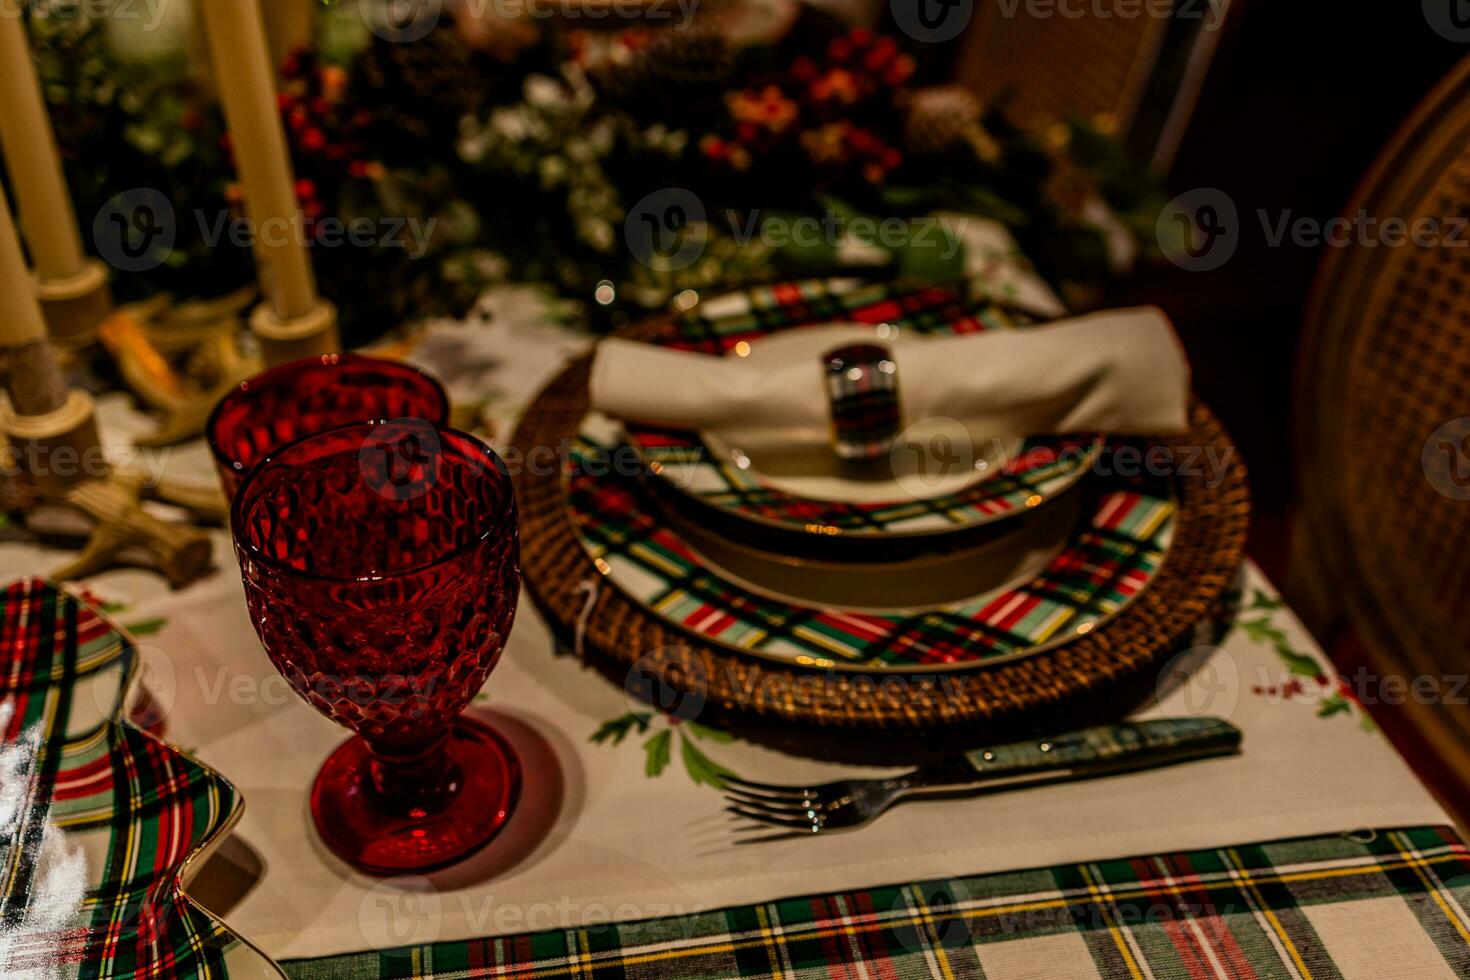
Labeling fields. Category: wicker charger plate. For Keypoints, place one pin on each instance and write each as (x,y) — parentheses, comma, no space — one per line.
(621,637)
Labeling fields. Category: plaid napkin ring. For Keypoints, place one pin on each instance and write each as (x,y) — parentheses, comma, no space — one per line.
(862,389)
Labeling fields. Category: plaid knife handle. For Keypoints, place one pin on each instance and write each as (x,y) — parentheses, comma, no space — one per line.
(1111,748)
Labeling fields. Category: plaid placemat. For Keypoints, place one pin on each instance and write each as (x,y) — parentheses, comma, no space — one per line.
(1041,467)
(105,815)
(1387,904)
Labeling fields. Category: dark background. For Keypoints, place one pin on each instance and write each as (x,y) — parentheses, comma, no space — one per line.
(1298,102)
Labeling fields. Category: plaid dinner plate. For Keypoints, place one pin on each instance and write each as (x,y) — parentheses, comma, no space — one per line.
(1107,564)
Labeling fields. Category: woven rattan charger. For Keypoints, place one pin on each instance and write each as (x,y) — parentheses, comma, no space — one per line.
(1098,676)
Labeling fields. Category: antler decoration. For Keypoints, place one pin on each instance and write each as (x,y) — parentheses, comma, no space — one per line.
(147,339)
(55,433)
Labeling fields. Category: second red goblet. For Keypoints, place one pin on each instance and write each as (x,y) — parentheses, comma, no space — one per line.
(312,395)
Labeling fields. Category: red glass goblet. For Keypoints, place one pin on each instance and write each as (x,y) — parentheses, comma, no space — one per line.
(380,563)
(312,395)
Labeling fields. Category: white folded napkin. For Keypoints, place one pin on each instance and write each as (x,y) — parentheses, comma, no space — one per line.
(1121,371)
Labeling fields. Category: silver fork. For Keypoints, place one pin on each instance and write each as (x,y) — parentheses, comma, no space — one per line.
(1086,754)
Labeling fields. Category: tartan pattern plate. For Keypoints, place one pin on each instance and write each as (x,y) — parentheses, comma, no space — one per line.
(1322,907)
(1104,568)
(1042,468)
(99,820)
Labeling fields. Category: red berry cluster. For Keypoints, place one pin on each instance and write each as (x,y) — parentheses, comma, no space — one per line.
(858,66)
(834,108)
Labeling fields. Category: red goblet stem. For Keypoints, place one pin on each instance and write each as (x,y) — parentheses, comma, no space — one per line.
(422,776)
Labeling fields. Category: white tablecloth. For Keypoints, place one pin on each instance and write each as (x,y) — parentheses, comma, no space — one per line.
(597,839)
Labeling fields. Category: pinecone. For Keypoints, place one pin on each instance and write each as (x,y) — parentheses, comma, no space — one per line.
(939,118)
(676,74)
(420,88)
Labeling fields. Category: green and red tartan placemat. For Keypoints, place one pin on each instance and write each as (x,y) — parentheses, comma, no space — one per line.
(99,820)
(1389,903)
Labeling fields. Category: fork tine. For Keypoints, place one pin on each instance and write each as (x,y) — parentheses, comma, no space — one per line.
(773,819)
(750,794)
(767,787)
(773,807)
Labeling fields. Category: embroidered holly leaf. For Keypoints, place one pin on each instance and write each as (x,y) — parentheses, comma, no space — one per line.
(1334,705)
(147,627)
(1261,599)
(112,606)
(657,752)
(618,729)
(701,768)
(708,733)
(1298,663)
(1263,631)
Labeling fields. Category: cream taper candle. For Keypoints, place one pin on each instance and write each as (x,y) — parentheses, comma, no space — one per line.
(20,312)
(46,211)
(244,77)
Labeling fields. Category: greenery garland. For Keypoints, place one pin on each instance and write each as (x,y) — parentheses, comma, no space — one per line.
(529,155)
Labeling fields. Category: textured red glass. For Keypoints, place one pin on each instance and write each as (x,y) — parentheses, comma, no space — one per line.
(312,395)
(380,563)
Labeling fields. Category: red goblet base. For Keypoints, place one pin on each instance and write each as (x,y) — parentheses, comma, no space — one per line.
(378,834)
